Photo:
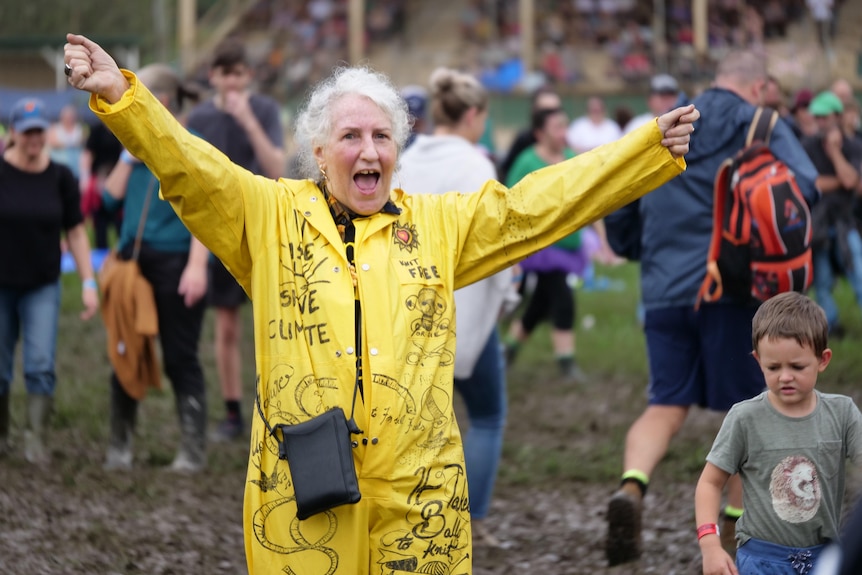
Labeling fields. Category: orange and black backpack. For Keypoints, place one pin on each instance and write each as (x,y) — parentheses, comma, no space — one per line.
(761,237)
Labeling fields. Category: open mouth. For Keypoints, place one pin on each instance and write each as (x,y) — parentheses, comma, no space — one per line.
(366,180)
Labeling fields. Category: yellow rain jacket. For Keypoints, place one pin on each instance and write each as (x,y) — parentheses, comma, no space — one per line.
(280,242)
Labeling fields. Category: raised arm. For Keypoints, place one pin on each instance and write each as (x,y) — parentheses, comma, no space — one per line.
(210,194)
(676,127)
(503,226)
(92,70)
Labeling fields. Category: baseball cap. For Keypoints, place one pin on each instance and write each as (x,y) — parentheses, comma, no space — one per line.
(663,84)
(28,114)
(416,98)
(825,104)
(802,99)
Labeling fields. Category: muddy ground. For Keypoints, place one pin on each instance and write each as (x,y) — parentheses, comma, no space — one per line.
(561,463)
(73,518)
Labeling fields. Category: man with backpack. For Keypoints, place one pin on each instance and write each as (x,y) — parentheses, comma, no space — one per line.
(837,244)
(696,357)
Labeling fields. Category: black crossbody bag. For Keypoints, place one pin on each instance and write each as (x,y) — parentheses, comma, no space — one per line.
(319,452)
(319,455)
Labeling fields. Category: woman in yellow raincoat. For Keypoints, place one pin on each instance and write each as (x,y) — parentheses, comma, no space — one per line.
(284,241)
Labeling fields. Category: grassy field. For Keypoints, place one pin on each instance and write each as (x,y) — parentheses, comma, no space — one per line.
(611,350)
(561,460)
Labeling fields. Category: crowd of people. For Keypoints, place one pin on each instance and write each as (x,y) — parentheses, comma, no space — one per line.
(303,40)
(296,43)
(625,30)
(209,218)
(303,247)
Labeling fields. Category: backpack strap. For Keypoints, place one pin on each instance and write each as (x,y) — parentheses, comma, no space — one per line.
(761,125)
(711,289)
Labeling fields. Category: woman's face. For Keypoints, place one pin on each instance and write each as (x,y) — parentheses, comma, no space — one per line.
(30,143)
(553,135)
(359,154)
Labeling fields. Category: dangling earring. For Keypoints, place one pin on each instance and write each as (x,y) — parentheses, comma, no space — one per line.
(324,181)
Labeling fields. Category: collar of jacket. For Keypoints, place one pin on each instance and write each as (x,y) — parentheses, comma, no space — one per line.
(311,202)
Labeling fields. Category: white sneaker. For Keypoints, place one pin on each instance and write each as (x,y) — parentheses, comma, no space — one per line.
(118,459)
(184,463)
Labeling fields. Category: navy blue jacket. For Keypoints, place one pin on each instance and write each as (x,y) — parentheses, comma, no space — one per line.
(676,219)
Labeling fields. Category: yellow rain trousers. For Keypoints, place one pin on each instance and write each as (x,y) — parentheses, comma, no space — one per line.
(280,242)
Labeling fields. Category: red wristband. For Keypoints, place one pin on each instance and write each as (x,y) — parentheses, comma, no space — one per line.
(706,529)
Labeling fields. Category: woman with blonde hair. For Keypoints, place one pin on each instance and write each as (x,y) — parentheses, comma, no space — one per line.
(449,159)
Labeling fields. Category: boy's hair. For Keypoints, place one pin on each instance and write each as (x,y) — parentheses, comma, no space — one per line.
(791,315)
(229,54)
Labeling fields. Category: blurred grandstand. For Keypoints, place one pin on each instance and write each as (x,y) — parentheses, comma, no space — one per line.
(595,46)
(608,47)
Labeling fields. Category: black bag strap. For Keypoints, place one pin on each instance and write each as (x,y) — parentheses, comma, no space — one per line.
(762,123)
(350,249)
(136,250)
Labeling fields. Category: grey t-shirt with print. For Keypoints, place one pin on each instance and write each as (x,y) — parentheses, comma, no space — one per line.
(792,468)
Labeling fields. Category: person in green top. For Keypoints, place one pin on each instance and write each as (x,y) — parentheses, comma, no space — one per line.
(553,297)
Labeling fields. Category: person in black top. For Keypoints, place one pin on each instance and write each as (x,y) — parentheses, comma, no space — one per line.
(102,152)
(39,203)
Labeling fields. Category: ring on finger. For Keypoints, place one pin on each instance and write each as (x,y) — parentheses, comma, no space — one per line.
(67,69)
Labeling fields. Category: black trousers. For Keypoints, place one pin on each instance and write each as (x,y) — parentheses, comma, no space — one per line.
(552,299)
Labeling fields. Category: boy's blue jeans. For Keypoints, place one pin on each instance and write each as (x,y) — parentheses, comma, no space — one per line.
(484,394)
(758,557)
(32,313)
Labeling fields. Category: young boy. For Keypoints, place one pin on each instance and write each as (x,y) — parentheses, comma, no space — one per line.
(789,445)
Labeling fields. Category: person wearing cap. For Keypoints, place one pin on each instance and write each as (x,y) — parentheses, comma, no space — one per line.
(247,128)
(696,357)
(174,264)
(801,121)
(664,93)
(836,244)
(39,204)
(417,100)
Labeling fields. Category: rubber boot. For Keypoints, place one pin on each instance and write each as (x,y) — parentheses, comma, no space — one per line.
(191,456)
(38,411)
(124,412)
(4,425)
